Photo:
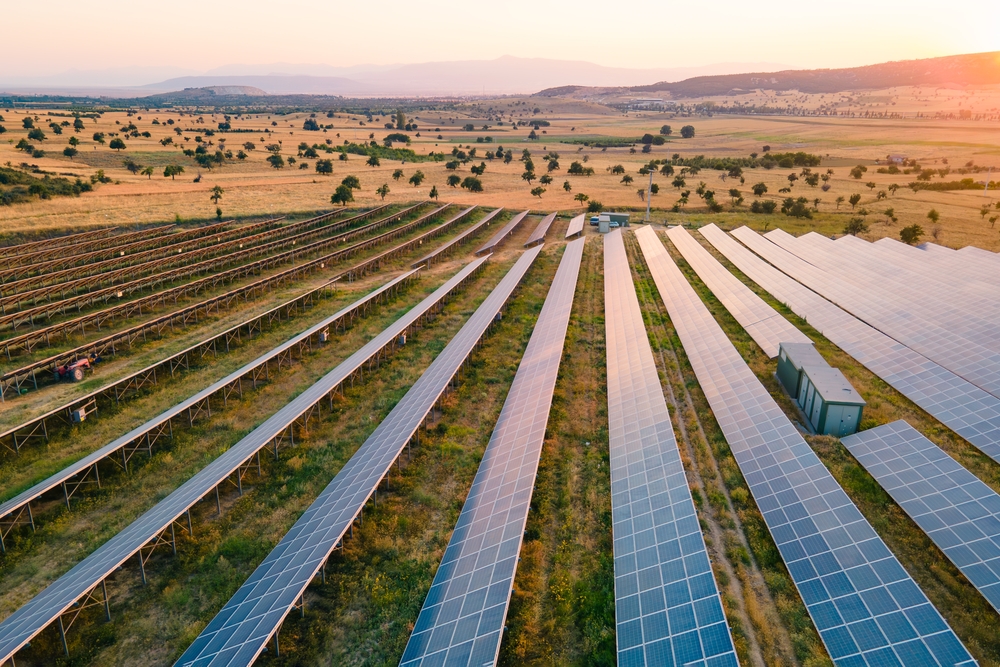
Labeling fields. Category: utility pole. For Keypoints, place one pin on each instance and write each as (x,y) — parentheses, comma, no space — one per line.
(649,194)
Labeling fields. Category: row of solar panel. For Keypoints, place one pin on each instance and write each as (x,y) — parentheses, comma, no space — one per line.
(867,609)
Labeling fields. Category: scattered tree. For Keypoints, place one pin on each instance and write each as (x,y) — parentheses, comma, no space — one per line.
(172,170)
(687,131)
(117,144)
(352,182)
(870,185)
(538,192)
(373,161)
(99,137)
(472,184)
(70,152)
(567,187)
(397,174)
(276,161)
(343,195)
(36,135)
(582,198)
(324,167)
(855,198)
(910,235)
(759,189)
(454,180)
(433,193)
(217,193)
(417,178)
(626,180)
(382,191)
(933,215)
(665,130)
(855,226)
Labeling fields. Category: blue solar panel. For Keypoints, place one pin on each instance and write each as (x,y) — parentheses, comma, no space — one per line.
(462,618)
(239,632)
(867,609)
(968,410)
(667,606)
(958,512)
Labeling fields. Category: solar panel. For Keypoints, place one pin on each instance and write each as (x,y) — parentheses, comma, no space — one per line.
(538,235)
(458,240)
(958,512)
(501,235)
(965,358)
(867,609)
(575,227)
(761,321)
(969,411)
(667,606)
(914,303)
(19,628)
(240,631)
(461,622)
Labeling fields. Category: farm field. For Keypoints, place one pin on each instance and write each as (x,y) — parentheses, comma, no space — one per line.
(583,131)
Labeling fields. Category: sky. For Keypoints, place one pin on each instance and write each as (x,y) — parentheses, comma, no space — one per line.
(194,36)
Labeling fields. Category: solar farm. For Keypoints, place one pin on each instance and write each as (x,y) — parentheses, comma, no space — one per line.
(429,434)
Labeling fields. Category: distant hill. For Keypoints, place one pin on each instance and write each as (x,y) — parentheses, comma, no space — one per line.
(504,75)
(970,69)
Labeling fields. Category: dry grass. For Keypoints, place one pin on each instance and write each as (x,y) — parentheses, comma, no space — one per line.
(252,187)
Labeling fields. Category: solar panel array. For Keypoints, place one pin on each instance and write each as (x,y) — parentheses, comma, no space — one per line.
(461,622)
(160,422)
(575,227)
(938,342)
(19,628)
(538,235)
(867,609)
(966,409)
(761,321)
(502,234)
(240,631)
(667,606)
(958,512)
(904,290)
(458,240)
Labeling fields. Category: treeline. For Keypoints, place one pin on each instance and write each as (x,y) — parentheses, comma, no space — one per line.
(768,161)
(964,184)
(17,186)
(384,153)
(603,142)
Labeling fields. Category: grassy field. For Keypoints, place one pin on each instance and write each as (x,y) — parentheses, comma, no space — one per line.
(253,187)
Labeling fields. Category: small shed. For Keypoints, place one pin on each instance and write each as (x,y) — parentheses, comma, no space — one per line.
(791,359)
(830,403)
(621,218)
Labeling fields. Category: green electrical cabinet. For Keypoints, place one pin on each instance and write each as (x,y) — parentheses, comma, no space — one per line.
(831,405)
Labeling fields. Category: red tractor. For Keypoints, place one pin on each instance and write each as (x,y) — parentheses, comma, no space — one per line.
(74,370)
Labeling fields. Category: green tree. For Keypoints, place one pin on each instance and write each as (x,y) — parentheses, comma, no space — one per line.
(582,198)
(132,166)
(594,206)
(933,215)
(545,179)
(217,193)
(352,182)
(870,185)
(276,161)
(343,195)
(172,170)
(472,184)
(665,130)
(855,226)
(373,161)
(910,235)
(70,152)
(397,174)
(626,180)
(984,211)
(892,188)
(401,121)
(858,171)
(36,135)
(433,193)
(324,167)
(567,187)
(454,180)
(382,191)
(759,189)
(538,192)
(417,178)
(687,131)
(678,182)
(28,122)
(528,176)
(855,198)
(78,124)
(99,137)
(73,141)
(117,144)
(148,172)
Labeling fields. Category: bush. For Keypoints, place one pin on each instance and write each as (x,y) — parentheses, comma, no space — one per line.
(910,235)
(594,206)
(310,125)
(797,208)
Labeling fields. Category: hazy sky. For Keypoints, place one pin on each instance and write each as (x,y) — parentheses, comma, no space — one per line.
(202,34)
